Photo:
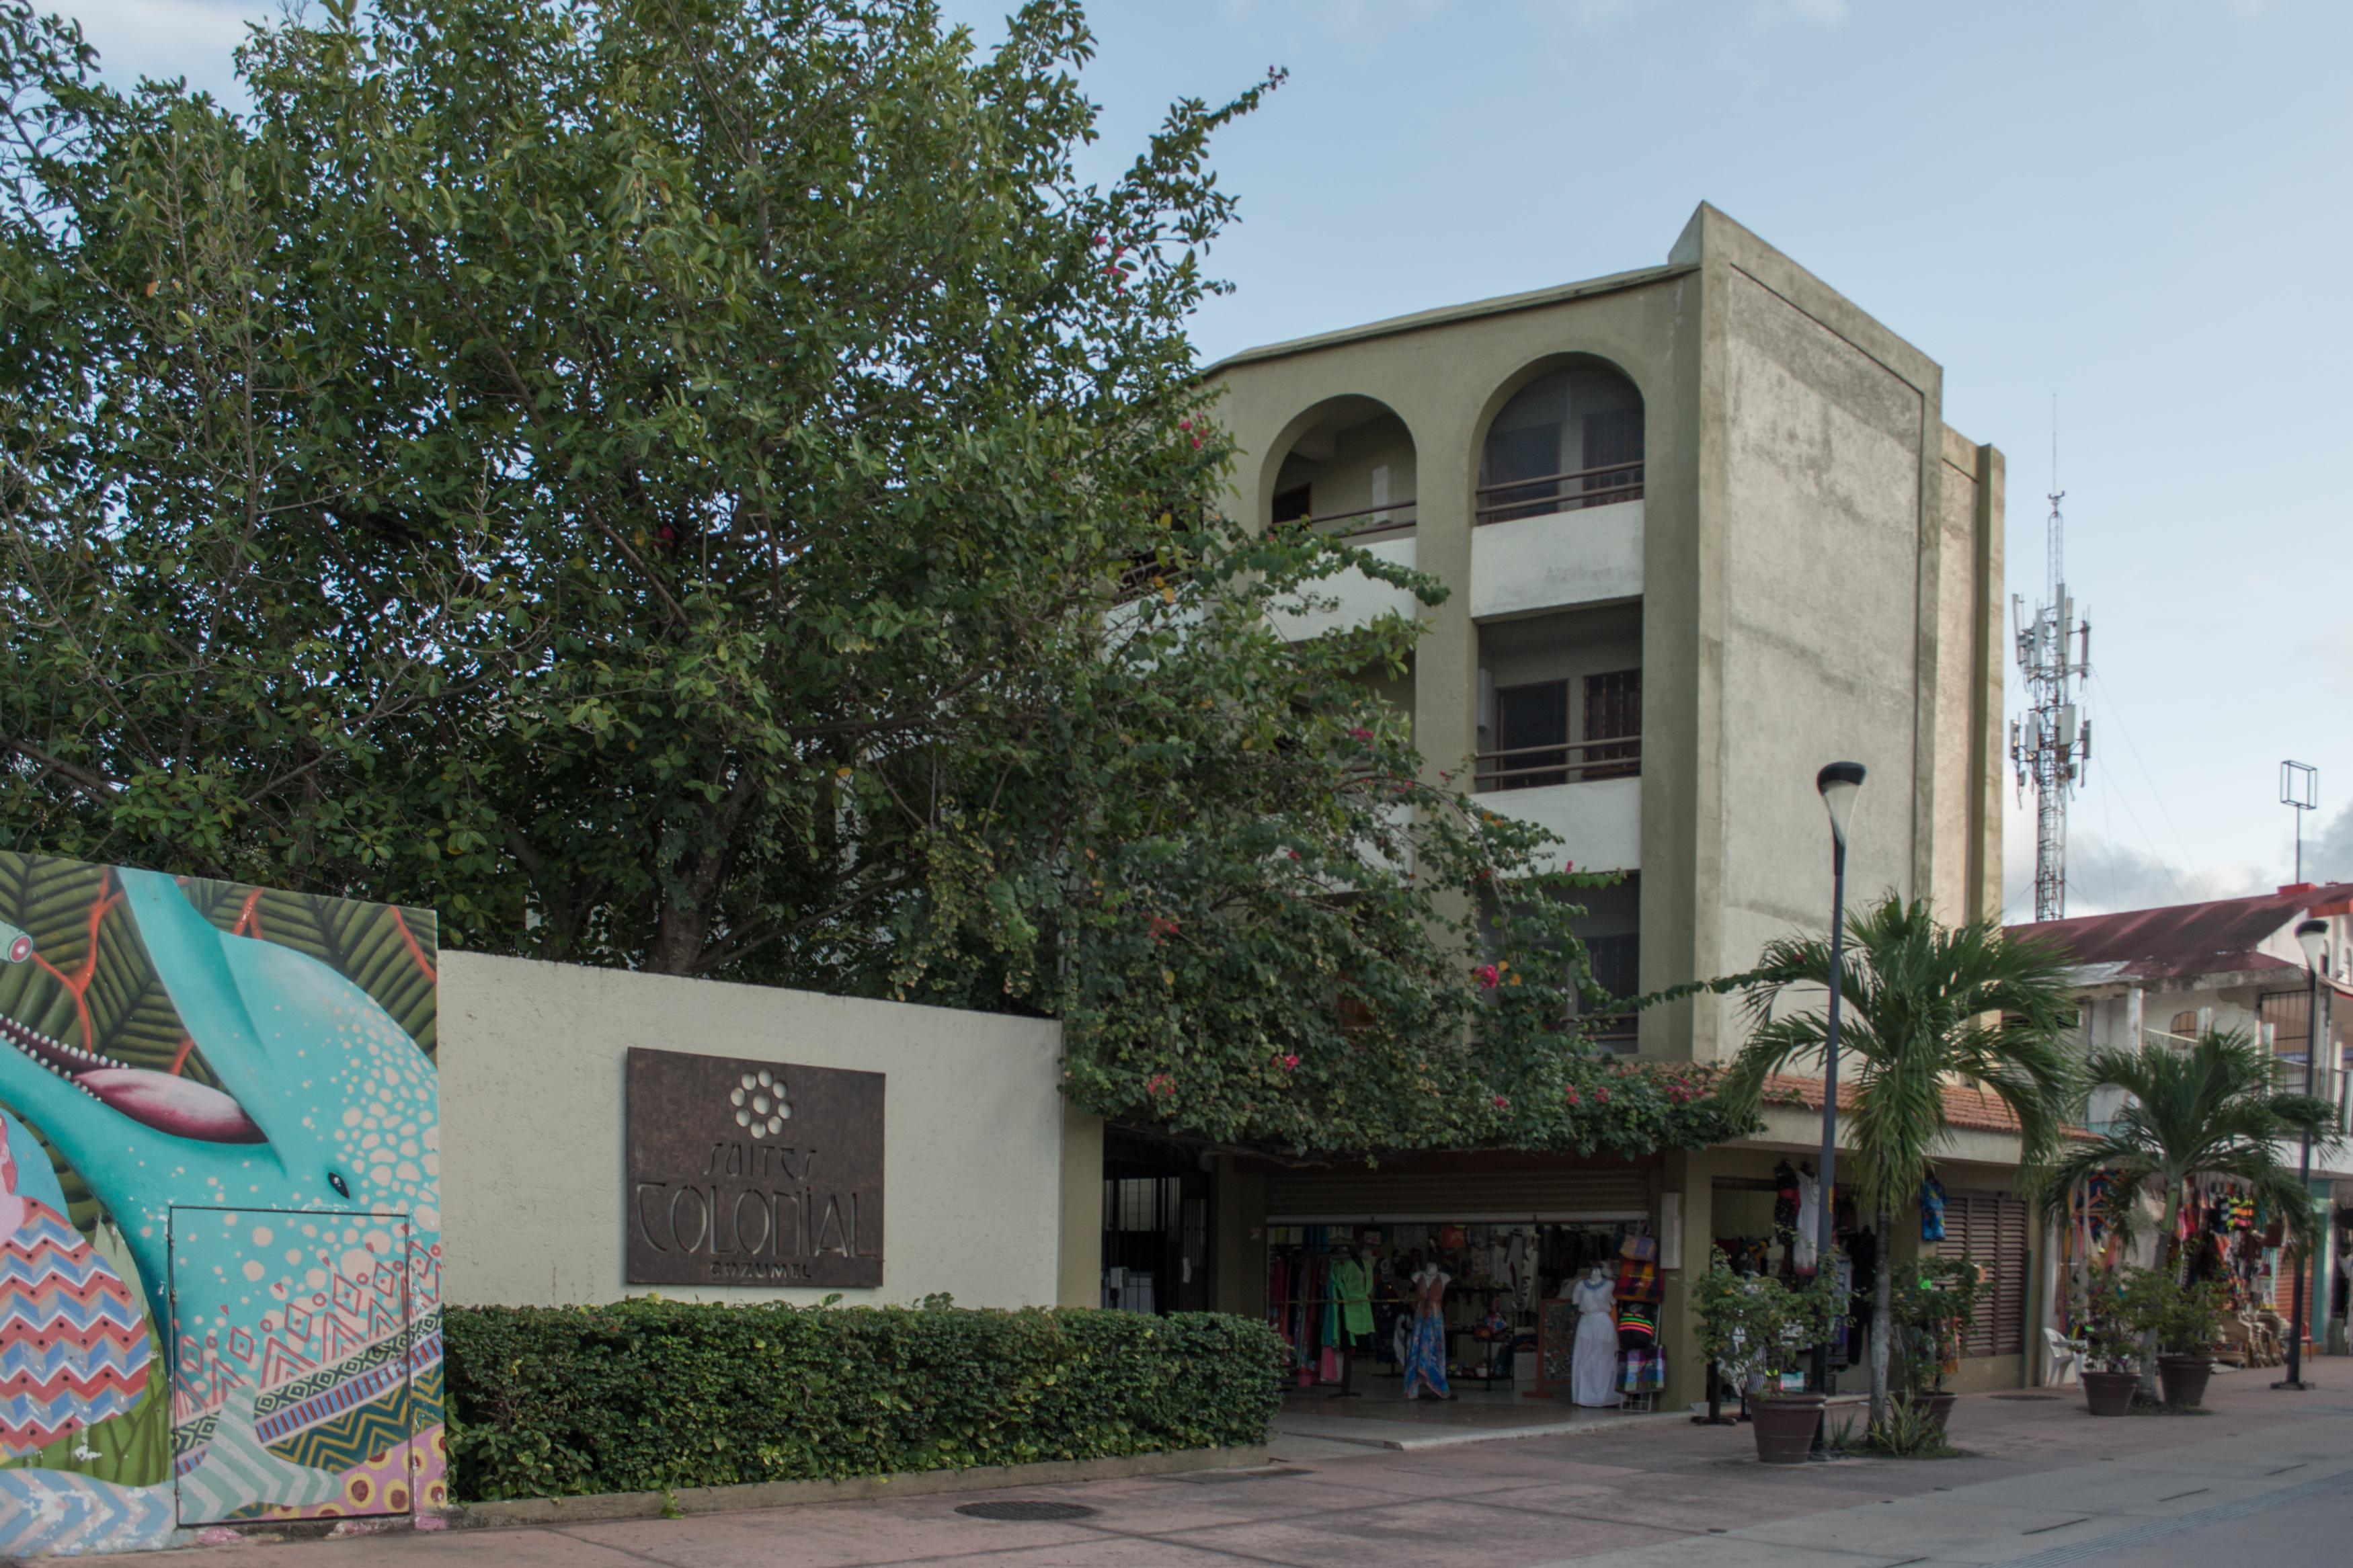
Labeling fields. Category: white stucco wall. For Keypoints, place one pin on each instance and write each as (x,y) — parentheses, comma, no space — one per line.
(1583,557)
(531,1060)
(1354,599)
(1599,821)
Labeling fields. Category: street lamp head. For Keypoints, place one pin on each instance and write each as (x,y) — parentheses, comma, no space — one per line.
(2312,937)
(1838,783)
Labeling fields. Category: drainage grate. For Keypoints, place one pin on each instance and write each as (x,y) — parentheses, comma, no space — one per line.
(1026,1512)
(2028,1396)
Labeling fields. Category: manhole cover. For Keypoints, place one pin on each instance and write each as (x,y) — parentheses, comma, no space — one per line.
(2029,1396)
(1026,1512)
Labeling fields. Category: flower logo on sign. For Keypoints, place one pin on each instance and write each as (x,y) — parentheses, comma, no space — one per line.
(760,1104)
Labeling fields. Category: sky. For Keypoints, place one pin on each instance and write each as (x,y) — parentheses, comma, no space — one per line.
(2134,208)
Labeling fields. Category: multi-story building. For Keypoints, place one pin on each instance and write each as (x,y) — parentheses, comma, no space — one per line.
(1705,529)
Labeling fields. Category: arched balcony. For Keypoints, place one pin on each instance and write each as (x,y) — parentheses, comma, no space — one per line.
(1571,438)
(1348,472)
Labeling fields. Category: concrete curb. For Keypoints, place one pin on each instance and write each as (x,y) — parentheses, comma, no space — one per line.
(791,1494)
(1406,1437)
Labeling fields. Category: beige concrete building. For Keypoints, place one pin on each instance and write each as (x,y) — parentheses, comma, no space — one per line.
(1705,529)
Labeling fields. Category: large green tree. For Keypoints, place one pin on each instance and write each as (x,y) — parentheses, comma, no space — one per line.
(704,485)
(1924,1006)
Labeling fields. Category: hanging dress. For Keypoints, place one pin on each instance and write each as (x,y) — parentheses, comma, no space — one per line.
(1425,1352)
(1593,1364)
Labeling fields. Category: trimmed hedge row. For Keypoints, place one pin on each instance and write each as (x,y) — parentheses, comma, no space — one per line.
(651,1395)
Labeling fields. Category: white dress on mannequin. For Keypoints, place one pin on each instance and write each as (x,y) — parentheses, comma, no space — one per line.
(1810,1218)
(1593,1367)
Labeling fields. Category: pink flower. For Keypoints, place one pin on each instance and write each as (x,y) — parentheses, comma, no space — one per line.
(1502,1104)
(1295,854)
(1488,976)
(1159,1084)
(1568,864)
(1601,1095)
(1360,734)
(1291,1064)
(1574,1097)
(1184,424)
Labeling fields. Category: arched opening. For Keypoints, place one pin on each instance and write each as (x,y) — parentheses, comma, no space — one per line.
(1347,471)
(1571,439)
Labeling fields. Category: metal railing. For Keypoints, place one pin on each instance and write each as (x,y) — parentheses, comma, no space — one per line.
(1572,492)
(1397,517)
(1568,761)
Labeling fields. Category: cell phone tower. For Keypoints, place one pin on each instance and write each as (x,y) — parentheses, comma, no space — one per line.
(2049,747)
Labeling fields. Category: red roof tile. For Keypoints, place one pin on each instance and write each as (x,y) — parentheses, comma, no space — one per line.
(1965,1105)
(2217,937)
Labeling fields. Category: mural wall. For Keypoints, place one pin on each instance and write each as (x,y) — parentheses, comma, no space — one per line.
(219,1208)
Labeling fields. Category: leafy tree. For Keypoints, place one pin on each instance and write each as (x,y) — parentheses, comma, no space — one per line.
(703,485)
(1925,1004)
(2211,1110)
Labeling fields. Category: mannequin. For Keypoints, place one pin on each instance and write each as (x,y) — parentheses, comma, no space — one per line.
(1593,1364)
(1351,1292)
(1810,1218)
(1425,1355)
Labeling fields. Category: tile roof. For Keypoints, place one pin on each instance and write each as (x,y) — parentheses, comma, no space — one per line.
(1966,1106)
(2222,936)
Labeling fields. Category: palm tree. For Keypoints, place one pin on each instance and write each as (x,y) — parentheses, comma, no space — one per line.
(1924,1005)
(2211,1110)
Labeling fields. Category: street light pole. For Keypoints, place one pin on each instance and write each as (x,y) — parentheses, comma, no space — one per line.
(2312,935)
(1837,783)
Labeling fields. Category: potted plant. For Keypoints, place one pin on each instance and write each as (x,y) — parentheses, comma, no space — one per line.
(2105,1317)
(1935,1305)
(2185,1321)
(1756,1330)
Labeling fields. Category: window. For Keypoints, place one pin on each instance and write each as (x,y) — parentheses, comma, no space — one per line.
(1532,735)
(1613,707)
(1990,1229)
(1565,441)
(1617,964)
(2185,1024)
(1613,456)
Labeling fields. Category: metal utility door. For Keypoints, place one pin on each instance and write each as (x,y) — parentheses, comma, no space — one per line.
(291,1336)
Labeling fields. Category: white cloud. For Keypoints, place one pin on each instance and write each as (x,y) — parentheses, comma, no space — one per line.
(2105,876)
(2328,854)
(167,38)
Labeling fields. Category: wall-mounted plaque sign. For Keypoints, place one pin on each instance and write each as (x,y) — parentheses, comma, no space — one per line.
(745,1173)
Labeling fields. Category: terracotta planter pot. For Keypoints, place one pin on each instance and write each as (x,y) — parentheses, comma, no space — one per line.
(2110,1392)
(2184,1379)
(1939,1406)
(1784,1425)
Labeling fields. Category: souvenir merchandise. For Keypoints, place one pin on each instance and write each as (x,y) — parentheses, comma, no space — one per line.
(1425,1355)
(1932,1209)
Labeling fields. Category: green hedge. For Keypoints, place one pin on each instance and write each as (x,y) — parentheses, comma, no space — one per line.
(652,1394)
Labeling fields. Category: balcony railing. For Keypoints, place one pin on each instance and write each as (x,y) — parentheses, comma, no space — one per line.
(1569,762)
(1364,523)
(1605,486)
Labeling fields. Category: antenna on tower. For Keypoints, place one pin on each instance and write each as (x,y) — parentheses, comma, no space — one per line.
(2049,747)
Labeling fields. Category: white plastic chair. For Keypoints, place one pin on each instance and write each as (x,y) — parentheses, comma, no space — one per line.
(2066,1359)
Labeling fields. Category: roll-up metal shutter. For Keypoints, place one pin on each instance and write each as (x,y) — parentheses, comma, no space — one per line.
(1347,1196)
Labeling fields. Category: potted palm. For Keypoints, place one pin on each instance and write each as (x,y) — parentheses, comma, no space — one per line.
(2108,1329)
(1933,1308)
(1757,1329)
(2184,1322)
(1925,1004)
(2213,1110)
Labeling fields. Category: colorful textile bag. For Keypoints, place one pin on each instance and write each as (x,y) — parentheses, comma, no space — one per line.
(1639,1281)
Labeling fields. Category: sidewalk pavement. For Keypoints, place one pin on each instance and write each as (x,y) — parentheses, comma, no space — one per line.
(2263,1477)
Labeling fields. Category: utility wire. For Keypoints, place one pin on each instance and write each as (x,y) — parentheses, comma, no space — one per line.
(2114,713)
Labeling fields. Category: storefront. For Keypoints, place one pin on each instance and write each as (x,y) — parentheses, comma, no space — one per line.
(1512,1234)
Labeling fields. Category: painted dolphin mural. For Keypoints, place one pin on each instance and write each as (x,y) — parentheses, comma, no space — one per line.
(284,1225)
